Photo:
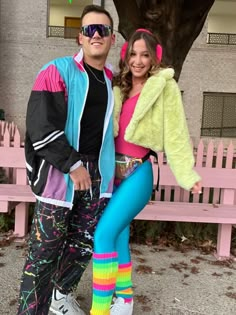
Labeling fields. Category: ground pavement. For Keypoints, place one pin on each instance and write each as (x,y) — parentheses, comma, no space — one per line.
(166,282)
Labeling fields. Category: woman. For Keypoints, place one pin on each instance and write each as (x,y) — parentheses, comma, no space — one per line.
(148,115)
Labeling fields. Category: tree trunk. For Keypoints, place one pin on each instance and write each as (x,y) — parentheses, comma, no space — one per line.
(177,23)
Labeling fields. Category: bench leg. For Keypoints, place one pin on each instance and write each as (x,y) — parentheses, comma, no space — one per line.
(21,219)
(224,241)
(4,206)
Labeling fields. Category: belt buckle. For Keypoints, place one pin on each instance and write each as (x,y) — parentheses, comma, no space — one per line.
(138,160)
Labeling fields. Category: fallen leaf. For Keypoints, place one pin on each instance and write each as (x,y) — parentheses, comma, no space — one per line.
(194,270)
(142,299)
(231,295)
(146,308)
(230,288)
(215,274)
(179,266)
(136,252)
(13,302)
(142,269)
(141,260)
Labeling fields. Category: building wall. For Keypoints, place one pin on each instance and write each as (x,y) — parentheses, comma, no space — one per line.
(222,24)
(207,68)
(25,49)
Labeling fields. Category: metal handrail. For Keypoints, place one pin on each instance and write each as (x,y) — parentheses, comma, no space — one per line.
(221,38)
(63,32)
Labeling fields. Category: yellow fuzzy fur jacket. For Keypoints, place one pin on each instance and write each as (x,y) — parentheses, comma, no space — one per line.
(159,123)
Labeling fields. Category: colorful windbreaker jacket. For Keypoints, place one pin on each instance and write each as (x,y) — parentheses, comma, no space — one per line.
(53,118)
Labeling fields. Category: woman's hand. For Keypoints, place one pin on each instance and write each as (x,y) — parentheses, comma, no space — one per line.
(197,188)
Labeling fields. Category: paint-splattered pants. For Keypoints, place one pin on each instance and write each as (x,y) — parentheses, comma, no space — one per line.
(60,248)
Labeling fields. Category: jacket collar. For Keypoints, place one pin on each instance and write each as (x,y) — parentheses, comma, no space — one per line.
(152,89)
(78,58)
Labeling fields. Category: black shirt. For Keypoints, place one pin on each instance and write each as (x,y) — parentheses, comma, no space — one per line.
(92,121)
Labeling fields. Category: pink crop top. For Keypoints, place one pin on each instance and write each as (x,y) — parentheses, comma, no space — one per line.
(121,145)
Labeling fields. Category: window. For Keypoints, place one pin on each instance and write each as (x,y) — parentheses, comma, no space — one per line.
(72,26)
(222,23)
(219,115)
(64,17)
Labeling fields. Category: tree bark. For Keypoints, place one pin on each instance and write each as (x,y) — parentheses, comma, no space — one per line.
(176,23)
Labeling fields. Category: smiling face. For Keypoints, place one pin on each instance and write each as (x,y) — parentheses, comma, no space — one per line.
(97,47)
(140,60)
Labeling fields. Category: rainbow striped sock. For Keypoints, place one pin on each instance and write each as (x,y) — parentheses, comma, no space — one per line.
(105,267)
(124,282)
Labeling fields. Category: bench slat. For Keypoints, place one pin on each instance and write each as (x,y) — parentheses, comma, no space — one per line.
(188,212)
(211,177)
(17,193)
(12,157)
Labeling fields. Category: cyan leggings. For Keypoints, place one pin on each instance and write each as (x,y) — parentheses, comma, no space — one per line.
(131,196)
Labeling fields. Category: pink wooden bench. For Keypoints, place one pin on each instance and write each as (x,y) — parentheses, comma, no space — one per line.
(217,204)
(219,186)
(16,193)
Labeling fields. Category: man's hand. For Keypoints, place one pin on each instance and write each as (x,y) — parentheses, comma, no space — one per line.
(81,179)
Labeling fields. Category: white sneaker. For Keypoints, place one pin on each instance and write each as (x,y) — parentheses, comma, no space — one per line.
(63,304)
(121,308)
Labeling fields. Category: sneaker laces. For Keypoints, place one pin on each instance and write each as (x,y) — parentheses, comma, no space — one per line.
(70,298)
(118,303)
(116,307)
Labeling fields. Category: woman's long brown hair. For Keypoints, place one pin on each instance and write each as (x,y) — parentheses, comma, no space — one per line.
(124,78)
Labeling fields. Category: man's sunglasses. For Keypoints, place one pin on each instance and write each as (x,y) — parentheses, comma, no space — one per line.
(102,29)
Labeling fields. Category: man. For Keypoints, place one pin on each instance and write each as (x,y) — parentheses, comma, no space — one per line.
(70,164)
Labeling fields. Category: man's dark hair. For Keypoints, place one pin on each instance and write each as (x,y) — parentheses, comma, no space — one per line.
(96,9)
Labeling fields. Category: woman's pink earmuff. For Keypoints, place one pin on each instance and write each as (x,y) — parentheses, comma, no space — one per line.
(123,50)
(125,46)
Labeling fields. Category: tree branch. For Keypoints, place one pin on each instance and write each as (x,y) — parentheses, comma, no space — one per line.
(177,23)
(129,16)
